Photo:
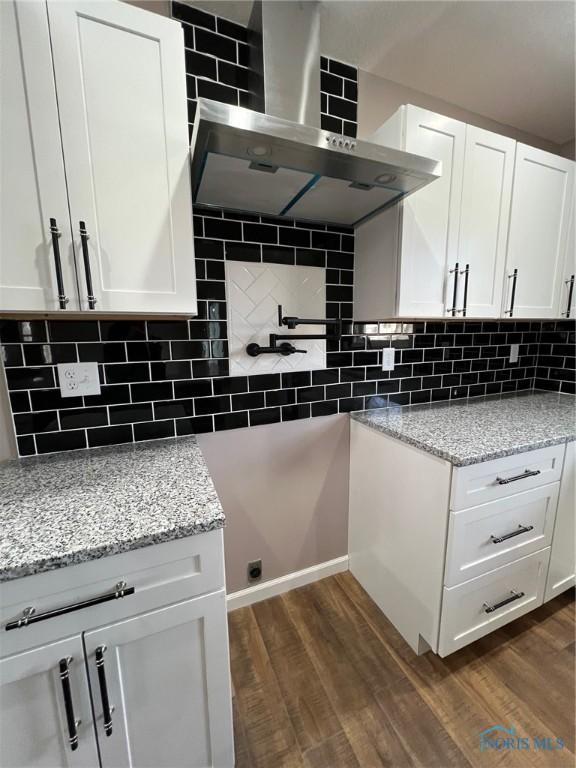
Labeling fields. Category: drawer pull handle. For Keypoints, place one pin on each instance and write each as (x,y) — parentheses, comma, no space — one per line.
(502,603)
(521,529)
(71,721)
(106,708)
(523,476)
(29,615)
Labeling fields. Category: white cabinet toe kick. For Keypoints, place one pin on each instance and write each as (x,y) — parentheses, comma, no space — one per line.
(450,554)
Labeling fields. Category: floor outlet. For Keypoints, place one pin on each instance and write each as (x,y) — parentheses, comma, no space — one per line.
(255,570)
(77,379)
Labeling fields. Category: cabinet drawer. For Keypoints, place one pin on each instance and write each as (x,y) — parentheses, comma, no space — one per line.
(491,480)
(483,538)
(161,574)
(479,606)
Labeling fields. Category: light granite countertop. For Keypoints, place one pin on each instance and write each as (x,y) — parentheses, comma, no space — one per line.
(67,508)
(470,431)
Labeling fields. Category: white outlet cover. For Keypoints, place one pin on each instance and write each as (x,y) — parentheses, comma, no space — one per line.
(388,355)
(77,379)
(514,352)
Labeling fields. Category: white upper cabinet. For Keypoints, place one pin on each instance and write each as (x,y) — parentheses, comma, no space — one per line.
(484,215)
(121,84)
(568,288)
(33,184)
(452,248)
(108,105)
(430,216)
(538,236)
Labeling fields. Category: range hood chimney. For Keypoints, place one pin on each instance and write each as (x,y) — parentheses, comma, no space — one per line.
(285,54)
(273,158)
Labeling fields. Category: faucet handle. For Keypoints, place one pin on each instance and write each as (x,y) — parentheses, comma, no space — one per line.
(289,349)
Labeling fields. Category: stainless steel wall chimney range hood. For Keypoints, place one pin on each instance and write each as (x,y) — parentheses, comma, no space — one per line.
(277,162)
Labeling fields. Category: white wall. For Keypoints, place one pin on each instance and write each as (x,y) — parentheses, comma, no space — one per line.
(379,98)
(284,489)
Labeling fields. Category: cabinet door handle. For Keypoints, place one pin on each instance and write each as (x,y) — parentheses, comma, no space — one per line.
(523,476)
(569,283)
(513,596)
(514,278)
(84,237)
(106,708)
(521,529)
(55,232)
(455,272)
(71,721)
(466,273)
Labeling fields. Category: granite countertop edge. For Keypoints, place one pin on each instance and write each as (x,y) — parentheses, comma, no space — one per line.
(47,526)
(375,419)
(43,565)
(458,461)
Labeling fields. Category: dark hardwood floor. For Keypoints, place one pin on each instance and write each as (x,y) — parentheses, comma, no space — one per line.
(322,680)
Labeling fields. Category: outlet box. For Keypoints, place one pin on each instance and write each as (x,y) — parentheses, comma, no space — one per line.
(77,379)
(514,352)
(388,355)
(255,570)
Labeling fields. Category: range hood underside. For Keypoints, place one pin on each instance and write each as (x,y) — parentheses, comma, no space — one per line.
(252,162)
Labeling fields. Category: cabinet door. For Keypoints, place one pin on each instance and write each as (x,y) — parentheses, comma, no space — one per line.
(431,216)
(33,726)
(33,186)
(485,213)
(562,570)
(568,287)
(539,219)
(120,79)
(167,676)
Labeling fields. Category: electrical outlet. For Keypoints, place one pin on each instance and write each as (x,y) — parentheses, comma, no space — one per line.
(255,570)
(514,352)
(388,355)
(77,379)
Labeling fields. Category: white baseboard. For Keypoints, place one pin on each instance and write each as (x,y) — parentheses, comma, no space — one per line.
(283,584)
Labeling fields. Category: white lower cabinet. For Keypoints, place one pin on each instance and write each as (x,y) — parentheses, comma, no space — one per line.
(141,681)
(33,723)
(444,568)
(479,606)
(486,537)
(562,571)
(164,674)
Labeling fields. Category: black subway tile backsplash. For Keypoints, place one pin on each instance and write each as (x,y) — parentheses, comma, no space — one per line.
(60,441)
(153,430)
(128,413)
(264,416)
(109,436)
(30,378)
(76,418)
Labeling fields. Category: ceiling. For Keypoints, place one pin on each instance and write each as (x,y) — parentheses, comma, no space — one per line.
(511,61)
